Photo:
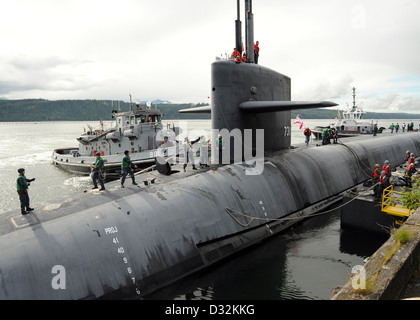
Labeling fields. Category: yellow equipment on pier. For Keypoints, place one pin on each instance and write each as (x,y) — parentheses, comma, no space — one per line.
(390,206)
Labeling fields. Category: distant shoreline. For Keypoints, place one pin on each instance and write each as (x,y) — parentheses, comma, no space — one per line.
(37,110)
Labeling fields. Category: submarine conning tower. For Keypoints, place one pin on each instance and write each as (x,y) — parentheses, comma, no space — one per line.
(233,84)
(248,96)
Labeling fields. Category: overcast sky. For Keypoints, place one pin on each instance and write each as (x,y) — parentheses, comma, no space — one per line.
(163,49)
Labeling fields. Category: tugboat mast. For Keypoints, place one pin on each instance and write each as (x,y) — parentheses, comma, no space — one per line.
(354,99)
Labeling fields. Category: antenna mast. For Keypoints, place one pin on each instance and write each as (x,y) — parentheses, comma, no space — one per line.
(249,31)
(238,30)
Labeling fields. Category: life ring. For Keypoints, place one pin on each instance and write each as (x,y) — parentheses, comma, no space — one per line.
(355,129)
(346,128)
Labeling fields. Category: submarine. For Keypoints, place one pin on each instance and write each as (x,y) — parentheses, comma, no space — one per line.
(127,243)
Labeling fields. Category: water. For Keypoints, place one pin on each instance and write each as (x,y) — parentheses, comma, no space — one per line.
(302,263)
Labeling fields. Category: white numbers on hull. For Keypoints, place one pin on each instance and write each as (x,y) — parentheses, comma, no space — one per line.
(120,250)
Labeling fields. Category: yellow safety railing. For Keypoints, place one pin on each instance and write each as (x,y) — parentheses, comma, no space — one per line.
(390,206)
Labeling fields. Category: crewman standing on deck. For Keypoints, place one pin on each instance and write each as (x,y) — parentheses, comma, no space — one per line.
(387,168)
(22,184)
(383,183)
(411,159)
(375,177)
(307,132)
(97,169)
(409,172)
(127,168)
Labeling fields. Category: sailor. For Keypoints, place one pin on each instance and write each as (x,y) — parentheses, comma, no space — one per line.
(244,58)
(375,178)
(97,169)
(411,159)
(387,168)
(166,142)
(256,51)
(127,168)
(407,155)
(375,129)
(307,132)
(235,53)
(220,147)
(188,152)
(382,184)
(409,172)
(334,135)
(325,135)
(22,184)
(204,152)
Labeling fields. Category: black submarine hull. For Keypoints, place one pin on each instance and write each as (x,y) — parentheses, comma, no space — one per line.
(127,243)
(114,244)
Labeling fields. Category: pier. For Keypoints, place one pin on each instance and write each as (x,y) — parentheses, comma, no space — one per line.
(392,271)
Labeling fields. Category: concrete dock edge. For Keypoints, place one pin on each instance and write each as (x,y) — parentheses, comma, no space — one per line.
(384,278)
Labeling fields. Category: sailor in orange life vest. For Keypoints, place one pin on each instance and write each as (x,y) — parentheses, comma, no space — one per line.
(383,183)
(409,172)
(411,159)
(375,178)
(307,134)
(387,168)
(256,52)
(243,59)
(235,53)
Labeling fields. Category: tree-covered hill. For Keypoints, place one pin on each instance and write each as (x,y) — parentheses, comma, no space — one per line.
(79,110)
(89,110)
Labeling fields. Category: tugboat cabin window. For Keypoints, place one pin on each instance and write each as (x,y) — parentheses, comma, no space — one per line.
(154,118)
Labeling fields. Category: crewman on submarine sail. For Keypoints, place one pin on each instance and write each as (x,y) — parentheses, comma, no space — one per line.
(22,184)
(97,169)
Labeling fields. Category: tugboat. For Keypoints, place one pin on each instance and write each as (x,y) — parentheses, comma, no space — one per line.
(350,123)
(139,131)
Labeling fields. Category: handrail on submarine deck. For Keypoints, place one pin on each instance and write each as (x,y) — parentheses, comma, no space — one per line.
(390,207)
